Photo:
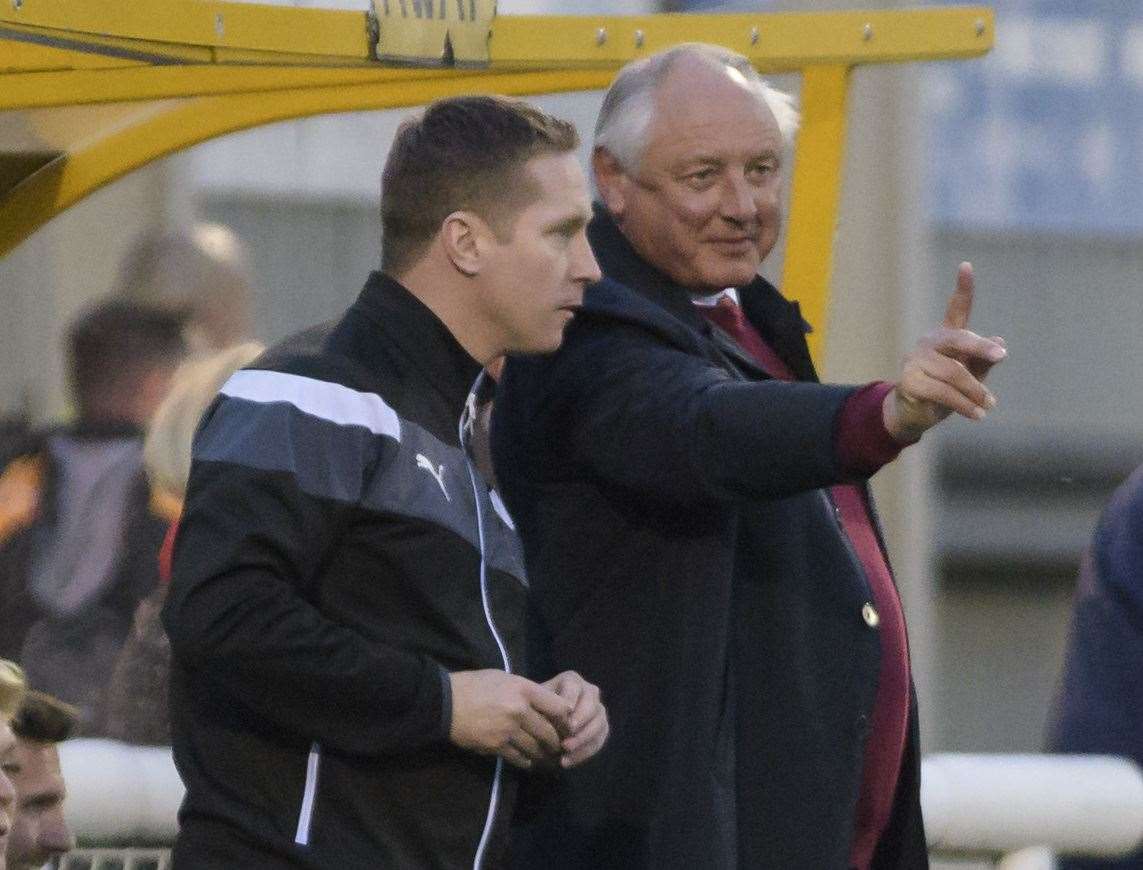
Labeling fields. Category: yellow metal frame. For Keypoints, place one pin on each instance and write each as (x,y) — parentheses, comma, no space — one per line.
(159,76)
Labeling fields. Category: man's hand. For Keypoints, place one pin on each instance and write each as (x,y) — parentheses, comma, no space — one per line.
(585,730)
(945,372)
(496,713)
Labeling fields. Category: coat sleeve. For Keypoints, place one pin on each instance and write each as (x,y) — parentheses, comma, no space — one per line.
(649,417)
(272,490)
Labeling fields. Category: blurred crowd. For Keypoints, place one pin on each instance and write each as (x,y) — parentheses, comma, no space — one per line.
(88,505)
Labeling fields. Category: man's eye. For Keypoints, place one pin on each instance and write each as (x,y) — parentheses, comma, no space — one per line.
(701,178)
(762,170)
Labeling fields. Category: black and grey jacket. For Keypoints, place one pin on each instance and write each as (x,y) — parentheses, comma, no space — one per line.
(338,554)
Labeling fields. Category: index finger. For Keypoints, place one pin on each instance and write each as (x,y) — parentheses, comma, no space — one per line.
(960,303)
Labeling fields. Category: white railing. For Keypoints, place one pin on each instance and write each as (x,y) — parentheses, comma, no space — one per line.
(996,804)
(974,805)
(119,793)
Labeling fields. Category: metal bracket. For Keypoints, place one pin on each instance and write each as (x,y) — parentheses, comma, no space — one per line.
(434,32)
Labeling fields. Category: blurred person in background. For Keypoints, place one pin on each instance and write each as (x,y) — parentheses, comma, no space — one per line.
(12,688)
(1099,706)
(136,707)
(202,274)
(79,543)
(40,832)
(699,535)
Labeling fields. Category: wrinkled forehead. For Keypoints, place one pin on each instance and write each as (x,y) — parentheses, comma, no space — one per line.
(711,104)
(558,182)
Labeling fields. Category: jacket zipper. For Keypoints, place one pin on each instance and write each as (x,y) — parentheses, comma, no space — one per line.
(494,798)
(306,811)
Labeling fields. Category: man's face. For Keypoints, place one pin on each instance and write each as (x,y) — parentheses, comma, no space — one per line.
(8,766)
(704,205)
(535,278)
(39,831)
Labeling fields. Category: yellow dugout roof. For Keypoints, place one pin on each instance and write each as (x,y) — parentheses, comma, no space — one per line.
(90,91)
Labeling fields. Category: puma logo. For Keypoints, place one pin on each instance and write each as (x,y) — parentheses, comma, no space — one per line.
(437,471)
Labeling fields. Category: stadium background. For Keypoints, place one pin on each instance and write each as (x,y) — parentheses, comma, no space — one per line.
(1027,162)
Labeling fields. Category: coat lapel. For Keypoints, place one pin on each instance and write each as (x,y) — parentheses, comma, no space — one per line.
(737,358)
(780,323)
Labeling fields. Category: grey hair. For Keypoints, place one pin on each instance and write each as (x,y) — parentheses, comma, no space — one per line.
(629,105)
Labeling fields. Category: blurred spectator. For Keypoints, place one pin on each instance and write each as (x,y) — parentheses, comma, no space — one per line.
(78,542)
(136,708)
(202,274)
(11,696)
(14,432)
(1099,708)
(39,831)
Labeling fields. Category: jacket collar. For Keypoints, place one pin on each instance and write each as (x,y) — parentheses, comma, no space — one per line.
(420,336)
(777,319)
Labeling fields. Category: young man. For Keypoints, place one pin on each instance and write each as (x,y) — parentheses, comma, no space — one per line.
(346,608)
(699,537)
(40,832)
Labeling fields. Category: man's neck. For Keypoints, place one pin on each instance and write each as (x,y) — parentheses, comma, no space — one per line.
(448,296)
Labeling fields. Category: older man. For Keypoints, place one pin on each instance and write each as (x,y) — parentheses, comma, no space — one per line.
(40,832)
(697,529)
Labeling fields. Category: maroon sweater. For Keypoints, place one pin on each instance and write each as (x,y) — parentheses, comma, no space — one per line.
(863,445)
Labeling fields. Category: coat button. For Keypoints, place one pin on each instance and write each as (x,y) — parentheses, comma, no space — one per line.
(869,614)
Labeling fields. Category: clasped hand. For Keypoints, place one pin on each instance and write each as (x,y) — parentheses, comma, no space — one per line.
(561,722)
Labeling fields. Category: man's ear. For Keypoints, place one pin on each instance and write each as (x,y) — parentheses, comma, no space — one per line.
(611,180)
(462,240)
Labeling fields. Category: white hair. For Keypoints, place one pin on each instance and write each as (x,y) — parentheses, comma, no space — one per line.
(629,105)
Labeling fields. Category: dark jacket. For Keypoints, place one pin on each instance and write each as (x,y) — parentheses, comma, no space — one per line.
(684,556)
(336,557)
(72,655)
(1100,704)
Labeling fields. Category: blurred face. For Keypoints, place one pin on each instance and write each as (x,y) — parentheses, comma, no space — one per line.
(39,831)
(534,278)
(704,204)
(8,766)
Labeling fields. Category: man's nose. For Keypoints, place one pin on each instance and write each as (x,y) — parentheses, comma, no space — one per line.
(56,837)
(586,266)
(739,200)
(7,791)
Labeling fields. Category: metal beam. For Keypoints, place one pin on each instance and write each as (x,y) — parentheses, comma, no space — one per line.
(64,181)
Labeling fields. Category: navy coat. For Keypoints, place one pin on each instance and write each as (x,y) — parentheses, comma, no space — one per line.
(1100,704)
(684,555)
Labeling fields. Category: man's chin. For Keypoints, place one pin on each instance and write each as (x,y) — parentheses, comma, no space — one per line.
(732,274)
(540,345)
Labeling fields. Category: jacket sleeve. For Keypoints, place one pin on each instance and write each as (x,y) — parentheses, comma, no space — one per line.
(272,490)
(649,417)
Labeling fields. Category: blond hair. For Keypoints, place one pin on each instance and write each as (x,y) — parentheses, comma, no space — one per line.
(167,448)
(12,688)
(201,273)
